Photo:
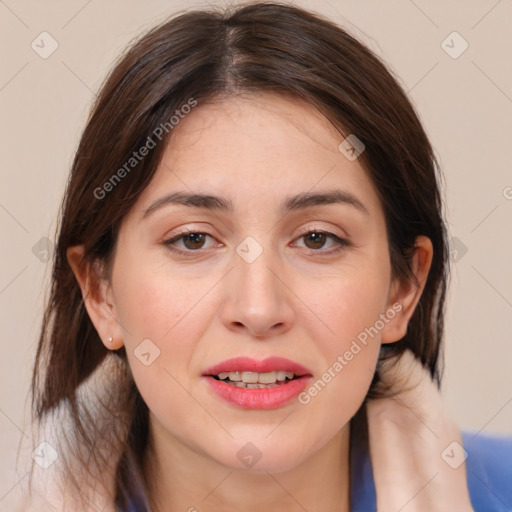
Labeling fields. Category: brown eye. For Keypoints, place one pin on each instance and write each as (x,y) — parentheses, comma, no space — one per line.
(316,240)
(192,241)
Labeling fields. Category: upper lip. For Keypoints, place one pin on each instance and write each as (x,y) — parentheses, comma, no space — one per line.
(249,364)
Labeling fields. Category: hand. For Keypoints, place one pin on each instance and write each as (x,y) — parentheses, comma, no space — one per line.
(407,434)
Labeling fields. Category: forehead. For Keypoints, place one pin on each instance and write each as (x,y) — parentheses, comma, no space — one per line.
(242,127)
(257,148)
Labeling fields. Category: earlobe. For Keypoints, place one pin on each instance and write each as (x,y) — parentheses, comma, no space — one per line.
(408,293)
(97,296)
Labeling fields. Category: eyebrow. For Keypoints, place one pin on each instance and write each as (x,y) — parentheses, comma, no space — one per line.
(292,203)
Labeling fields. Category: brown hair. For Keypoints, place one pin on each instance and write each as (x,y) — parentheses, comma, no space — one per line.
(207,55)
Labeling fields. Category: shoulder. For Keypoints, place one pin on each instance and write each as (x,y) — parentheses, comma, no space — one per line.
(489,471)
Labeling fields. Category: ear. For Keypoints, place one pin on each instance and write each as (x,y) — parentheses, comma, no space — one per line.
(405,294)
(97,295)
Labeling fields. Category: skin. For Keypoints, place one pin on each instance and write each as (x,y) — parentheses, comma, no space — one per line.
(408,433)
(299,299)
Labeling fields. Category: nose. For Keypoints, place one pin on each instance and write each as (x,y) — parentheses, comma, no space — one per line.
(257,298)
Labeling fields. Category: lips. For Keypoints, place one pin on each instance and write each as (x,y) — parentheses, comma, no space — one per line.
(271,364)
(251,384)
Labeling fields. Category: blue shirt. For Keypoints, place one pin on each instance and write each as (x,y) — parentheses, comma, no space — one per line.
(488,468)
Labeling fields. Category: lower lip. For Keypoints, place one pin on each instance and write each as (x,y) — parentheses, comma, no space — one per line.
(259,398)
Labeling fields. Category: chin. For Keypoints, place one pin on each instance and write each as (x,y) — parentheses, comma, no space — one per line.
(260,455)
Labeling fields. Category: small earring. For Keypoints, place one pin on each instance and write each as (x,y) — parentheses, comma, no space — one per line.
(110,339)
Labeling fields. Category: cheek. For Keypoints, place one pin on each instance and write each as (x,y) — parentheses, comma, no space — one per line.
(153,304)
(351,309)
(347,306)
(161,321)
(166,322)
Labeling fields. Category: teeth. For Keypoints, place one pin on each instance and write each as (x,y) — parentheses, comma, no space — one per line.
(253,380)
(267,378)
(281,375)
(250,377)
(252,386)
(234,376)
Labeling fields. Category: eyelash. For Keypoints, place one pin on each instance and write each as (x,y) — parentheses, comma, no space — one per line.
(341,242)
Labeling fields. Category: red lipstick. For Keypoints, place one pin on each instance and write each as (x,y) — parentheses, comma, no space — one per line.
(265,396)
(248,364)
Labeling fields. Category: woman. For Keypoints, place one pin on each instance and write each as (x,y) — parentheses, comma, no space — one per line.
(248,290)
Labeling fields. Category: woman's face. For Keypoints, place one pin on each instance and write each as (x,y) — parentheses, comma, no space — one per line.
(266,273)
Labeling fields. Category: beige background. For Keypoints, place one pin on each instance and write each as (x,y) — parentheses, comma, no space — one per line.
(465,104)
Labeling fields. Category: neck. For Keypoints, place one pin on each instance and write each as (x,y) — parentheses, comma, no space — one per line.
(186,480)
